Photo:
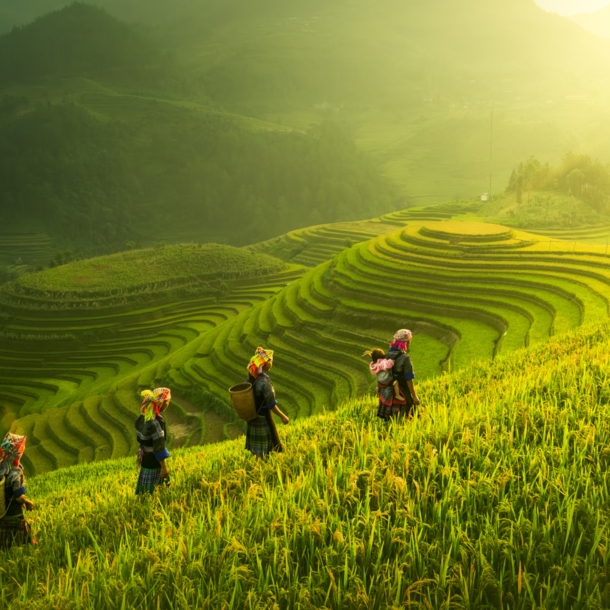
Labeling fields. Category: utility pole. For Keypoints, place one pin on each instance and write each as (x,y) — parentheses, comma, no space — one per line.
(491,149)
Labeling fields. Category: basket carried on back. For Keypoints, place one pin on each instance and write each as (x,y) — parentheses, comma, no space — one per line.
(242,396)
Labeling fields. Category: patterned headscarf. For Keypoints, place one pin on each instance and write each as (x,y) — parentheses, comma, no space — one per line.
(153,401)
(402,339)
(258,361)
(11,450)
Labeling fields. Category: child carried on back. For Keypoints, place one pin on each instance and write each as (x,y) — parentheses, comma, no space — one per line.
(381,367)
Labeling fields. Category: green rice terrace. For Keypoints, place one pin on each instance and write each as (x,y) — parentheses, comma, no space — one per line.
(79,341)
(72,360)
(315,245)
(119,278)
(495,496)
(469,291)
(594,234)
(25,252)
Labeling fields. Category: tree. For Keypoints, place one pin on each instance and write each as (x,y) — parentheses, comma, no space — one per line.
(519,189)
(576,180)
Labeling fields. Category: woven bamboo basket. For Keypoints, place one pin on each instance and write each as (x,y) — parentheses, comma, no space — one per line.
(242,396)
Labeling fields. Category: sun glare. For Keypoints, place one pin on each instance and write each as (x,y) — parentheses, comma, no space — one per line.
(572,7)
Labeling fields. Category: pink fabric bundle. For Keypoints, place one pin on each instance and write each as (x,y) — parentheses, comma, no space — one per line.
(381,365)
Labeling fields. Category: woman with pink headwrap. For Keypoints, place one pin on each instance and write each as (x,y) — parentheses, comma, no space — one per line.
(14,529)
(403,374)
(151,432)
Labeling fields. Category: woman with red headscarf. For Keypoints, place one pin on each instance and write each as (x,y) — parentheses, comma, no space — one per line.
(151,432)
(14,529)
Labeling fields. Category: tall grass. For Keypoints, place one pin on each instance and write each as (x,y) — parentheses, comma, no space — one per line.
(495,496)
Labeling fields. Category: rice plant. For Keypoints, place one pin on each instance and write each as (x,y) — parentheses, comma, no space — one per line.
(495,496)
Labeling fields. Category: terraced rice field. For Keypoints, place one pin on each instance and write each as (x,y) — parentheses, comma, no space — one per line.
(71,364)
(597,234)
(70,375)
(315,245)
(495,496)
(26,252)
(468,290)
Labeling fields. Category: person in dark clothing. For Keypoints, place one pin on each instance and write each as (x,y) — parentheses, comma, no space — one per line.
(261,435)
(151,432)
(403,374)
(14,528)
(388,389)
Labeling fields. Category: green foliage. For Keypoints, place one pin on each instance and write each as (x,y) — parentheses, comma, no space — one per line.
(91,199)
(577,175)
(499,478)
(6,275)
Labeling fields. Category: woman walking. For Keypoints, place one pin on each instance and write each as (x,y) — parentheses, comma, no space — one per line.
(261,436)
(403,374)
(14,528)
(151,432)
(391,398)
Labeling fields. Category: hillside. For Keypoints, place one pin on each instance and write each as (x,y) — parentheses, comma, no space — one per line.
(413,82)
(101,168)
(313,246)
(469,291)
(105,137)
(434,38)
(495,496)
(80,340)
(569,197)
(79,40)
(597,23)
(150,272)
(76,356)
(90,334)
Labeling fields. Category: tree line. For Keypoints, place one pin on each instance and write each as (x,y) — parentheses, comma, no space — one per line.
(174,170)
(577,175)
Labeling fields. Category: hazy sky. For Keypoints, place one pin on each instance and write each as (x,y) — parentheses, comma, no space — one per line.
(572,7)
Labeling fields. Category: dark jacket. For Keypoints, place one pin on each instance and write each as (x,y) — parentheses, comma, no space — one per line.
(264,394)
(403,372)
(152,436)
(14,487)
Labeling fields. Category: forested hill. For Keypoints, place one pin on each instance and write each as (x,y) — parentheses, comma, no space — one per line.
(95,156)
(412,80)
(391,51)
(268,53)
(79,40)
(173,172)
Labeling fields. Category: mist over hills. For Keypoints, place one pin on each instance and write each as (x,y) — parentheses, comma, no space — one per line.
(597,23)
(176,173)
(361,51)
(97,154)
(412,83)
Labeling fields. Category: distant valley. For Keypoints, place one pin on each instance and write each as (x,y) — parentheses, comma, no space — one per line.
(443,100)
